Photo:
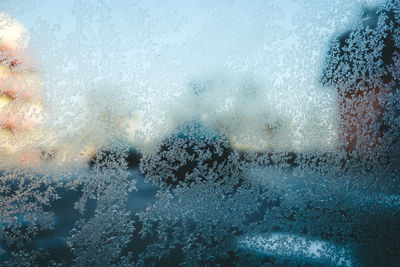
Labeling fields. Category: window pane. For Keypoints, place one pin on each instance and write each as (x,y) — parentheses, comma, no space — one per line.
(199,132)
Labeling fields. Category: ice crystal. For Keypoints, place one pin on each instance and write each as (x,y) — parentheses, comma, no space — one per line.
(199,133)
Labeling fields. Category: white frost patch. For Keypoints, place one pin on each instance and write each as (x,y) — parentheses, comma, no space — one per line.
(290,246)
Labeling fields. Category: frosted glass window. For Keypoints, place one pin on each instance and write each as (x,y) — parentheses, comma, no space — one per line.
(199,133)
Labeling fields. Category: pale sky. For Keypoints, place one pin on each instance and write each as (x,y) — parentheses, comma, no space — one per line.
(156,48)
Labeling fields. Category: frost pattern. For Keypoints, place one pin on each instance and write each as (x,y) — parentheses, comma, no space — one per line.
(200,134)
